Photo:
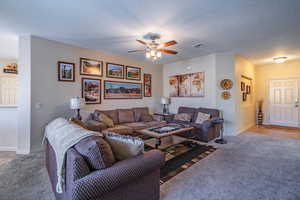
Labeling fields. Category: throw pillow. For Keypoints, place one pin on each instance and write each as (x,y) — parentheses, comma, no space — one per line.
(146,118)
(124,146)
(96,151)
(201,117)
(185,117)
(106,120)
(126,116)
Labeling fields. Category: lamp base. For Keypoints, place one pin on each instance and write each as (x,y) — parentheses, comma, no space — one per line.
(78,115)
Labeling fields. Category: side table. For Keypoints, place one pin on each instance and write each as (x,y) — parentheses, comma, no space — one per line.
(168,117)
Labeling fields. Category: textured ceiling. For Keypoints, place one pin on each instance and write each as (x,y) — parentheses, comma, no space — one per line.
(256,29)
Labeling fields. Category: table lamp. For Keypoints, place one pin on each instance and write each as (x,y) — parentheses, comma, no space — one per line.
(165,101)
(76,104)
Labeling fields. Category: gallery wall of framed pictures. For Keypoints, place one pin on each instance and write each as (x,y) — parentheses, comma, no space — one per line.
(246,89)
(119,81)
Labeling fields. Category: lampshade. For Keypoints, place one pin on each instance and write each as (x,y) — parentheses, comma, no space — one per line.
(165,101)
(76,103)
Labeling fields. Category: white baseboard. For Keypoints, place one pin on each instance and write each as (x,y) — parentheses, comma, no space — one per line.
(2,148)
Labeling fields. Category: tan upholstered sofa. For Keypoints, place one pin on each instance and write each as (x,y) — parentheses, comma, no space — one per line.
(126,121)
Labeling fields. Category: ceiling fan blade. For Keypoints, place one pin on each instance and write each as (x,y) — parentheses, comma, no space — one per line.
(167,44)
(142,42)
(168,51)
(133,51)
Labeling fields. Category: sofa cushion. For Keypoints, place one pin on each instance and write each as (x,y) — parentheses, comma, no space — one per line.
(155,123)
(121,129)
(146,118)
(126,116)
(94,125)
(185,117)
(138,112)
(124,147)
(96,151)
(202,117)
(106,120)
(189,110)
(136,125)
(113,114)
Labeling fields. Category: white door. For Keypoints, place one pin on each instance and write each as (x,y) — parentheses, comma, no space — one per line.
(284,102)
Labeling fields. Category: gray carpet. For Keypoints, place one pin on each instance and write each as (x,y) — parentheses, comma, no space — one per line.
(250,167)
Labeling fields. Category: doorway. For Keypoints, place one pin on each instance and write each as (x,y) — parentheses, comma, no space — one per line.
(284,102)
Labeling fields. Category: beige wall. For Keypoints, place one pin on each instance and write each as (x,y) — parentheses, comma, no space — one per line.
(204,64)
(54,96)
(216,68)
(264,73)
(245,110)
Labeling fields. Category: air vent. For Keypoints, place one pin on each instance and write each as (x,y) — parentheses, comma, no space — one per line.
(198,45)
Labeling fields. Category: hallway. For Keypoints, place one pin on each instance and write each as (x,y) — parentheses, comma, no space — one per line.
(277,131)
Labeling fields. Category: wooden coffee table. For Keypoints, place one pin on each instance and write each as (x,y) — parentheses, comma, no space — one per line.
(164,140)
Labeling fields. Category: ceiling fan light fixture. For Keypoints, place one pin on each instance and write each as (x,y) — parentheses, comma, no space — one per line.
(158,54)
(152,52)
(281,59)
(148,55)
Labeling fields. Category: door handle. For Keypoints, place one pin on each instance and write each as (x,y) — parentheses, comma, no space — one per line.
(296,103)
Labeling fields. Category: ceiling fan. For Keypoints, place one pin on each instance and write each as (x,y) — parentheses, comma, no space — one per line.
(155,49)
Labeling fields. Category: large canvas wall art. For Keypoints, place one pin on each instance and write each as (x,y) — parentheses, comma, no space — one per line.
(187,85)
(122,90)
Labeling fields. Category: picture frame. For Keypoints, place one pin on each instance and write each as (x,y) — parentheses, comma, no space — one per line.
(133,73)
(122,90)
(91,90)
(11,68)
(244,96)
(114,70)
(91,67)
(147,85)
(66,71)
(248,89)
(243,85)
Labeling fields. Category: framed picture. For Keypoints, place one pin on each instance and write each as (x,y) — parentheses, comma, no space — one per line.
(248,89)
(147,85)
(11,68)
(114,70)
(122,90)
(91,67)
(244,96)
(243,85)
(91,90)
(133,73)
(66,71)
(187,85)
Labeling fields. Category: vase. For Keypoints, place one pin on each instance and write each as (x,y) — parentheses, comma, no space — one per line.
(260,117)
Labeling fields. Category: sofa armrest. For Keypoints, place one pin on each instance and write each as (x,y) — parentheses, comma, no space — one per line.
(94,125)
(206,124)
(102,181)
(76,165)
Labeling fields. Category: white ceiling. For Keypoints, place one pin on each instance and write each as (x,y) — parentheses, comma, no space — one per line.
(256,29)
